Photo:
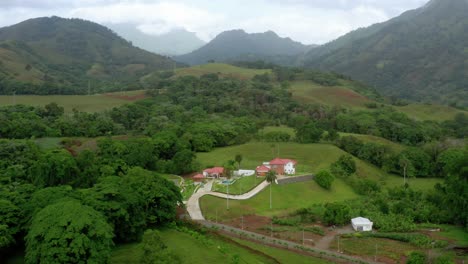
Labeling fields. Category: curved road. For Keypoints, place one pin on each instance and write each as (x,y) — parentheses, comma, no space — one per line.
(193,204)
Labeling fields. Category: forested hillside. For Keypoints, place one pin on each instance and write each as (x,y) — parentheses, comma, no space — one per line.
(239,45)
(70,56)
(421,55)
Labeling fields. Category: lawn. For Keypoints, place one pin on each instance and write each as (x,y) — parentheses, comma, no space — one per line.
(84,103)
(456,234)
(285,199)
(282,255)
(209,249)
(240,186)
(224,70)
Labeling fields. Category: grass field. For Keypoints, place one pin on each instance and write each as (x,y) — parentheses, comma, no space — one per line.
(430,112)
(84,103)
(310,92)
(282,255)
(456,234)
(373,139)
(192,250)
(240,186)
(224,70)
(285,199)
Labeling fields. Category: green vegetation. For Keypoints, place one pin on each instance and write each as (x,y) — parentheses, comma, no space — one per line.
(222,70)
(71,56)
(284,200)
(458,234)
(281,255)
(390,56)
(430,111)
(192,249)
(240,186)
(82,103)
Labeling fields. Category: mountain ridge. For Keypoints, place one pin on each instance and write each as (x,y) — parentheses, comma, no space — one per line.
(235,44)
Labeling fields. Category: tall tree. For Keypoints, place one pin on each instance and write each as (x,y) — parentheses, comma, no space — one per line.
(238,159)
(68,232)
(271,177)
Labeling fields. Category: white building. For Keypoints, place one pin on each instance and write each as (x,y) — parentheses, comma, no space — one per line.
(361,224)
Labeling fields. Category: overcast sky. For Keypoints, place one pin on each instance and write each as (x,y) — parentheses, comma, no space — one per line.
(308,21)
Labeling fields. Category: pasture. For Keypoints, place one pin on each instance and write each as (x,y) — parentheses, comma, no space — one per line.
(430,112)
(83,103)
(223,70)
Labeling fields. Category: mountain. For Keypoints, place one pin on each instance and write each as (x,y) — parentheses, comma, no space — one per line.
(420,55)
(239,45)
(57,55)
(175,42)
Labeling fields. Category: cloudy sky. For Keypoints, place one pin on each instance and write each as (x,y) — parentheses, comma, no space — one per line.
(308,21)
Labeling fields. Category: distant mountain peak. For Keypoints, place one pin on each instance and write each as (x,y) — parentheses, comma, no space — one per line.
(238,45)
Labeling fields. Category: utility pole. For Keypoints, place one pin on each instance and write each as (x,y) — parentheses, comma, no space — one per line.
(89,87)
(375,257)
(227,197)
(271,228)
(303,236)
(242,222)
(14,97)
(339,244)
(216,215)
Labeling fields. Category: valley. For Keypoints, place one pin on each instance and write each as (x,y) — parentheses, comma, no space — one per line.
(247,148)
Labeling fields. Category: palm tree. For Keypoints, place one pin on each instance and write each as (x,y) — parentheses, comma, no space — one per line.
(271,177)
(238,159)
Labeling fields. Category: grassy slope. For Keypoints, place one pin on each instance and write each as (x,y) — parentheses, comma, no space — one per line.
(373,139)
(190,250)
(225,70)
(240,186)
(430,112)
(84,103)
(285,199)
(310,92)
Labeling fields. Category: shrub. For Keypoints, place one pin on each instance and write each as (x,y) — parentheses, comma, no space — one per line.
(337,214)
(324,179)
(416,258)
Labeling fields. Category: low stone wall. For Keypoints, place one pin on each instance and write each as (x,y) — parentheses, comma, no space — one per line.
(290,180)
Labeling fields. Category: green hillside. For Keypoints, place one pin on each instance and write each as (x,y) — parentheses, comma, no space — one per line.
(421,55)
(70,56)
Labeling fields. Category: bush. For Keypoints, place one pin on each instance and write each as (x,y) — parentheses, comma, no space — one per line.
(337,214)
(344,166)
(324,179)
(416,258)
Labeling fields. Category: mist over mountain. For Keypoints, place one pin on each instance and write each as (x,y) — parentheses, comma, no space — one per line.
(239,45)
(57,55)
(175,42)
(421,55)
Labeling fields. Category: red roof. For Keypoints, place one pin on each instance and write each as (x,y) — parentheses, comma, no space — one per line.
(279,161)
(263,168)
(199,176)
(215,170)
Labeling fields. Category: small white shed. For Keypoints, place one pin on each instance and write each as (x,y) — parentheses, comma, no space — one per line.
(361,224)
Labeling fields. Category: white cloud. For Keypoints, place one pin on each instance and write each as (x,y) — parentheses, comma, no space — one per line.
(308,21)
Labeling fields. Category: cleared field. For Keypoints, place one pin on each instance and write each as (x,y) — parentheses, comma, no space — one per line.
(373,139)
(430,112)
(285,199)
(84,103)
(310,92)
(224,70)
(192,250)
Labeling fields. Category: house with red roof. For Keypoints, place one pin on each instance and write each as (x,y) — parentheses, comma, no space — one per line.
(198,178)
(262,170)
(283,166)
(215,172)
